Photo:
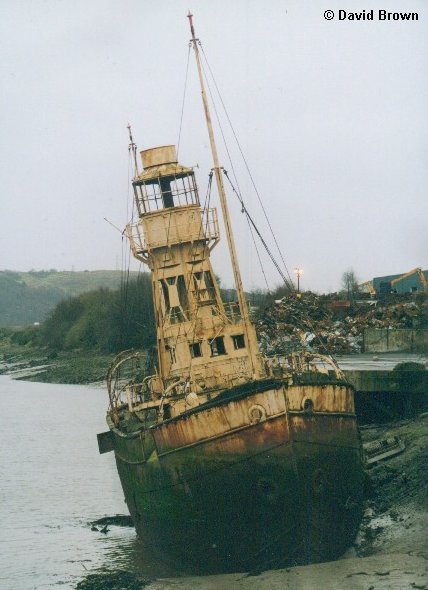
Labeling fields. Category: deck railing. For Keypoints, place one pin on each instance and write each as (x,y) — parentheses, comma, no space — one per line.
(177,230)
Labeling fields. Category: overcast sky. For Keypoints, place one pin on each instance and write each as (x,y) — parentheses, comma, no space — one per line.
(331,115)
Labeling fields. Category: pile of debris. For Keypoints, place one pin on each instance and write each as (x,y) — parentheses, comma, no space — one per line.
(322,324)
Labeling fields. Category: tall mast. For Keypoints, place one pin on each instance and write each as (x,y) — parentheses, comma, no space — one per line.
(133,149)
(223,201)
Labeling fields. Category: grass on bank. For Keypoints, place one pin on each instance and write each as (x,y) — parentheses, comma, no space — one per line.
(77,367)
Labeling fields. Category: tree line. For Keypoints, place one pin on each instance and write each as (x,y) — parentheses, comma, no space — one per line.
(103,320)
(109,321)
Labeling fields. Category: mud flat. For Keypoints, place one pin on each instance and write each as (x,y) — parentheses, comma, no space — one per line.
(391,549)
(73,367)
(396,571)
(392,572)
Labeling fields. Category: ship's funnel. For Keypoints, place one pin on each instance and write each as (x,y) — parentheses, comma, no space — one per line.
(157,156)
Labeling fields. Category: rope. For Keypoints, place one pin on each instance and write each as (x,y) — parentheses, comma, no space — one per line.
(125,261)
(184,98)
(233,171)
(245,162)
(258,254)
(266,247)
(288,282)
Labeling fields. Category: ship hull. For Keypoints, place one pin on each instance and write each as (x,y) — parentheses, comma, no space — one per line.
(253,480)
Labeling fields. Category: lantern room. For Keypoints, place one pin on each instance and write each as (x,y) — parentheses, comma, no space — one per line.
(164,183)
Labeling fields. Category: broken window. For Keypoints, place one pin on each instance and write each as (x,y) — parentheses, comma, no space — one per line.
(217,346)
(166,192)
(165,299)
(182,292)
(171,350)
(238,341)
(175,300)
(195,350)
(204,286)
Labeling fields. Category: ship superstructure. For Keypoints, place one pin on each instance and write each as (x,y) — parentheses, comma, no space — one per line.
(204,345)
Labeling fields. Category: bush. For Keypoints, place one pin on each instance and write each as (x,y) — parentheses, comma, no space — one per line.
(103,320)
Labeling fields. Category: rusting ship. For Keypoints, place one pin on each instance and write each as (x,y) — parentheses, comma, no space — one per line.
(228,460)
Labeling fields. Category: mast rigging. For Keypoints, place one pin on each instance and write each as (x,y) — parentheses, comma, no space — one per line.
(222,195)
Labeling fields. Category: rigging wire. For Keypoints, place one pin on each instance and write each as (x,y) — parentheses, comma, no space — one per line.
(287,281)
(266,247)
(307,322)
(184,98)
(258,254)
(233,172)
(225,144)
(126,256)
(246,164)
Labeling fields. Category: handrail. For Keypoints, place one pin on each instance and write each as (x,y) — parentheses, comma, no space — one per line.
(301,362)
(177,232)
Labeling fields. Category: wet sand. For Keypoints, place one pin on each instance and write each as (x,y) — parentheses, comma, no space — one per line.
(391,549)
(392,572)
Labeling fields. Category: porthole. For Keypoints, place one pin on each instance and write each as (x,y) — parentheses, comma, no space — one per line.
(256,414)
(307,405)
(268,488)
(318,481)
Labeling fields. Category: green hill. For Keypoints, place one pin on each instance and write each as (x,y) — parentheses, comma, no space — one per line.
(28,297)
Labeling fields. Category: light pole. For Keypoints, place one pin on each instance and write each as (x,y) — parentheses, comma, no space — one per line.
(298,272)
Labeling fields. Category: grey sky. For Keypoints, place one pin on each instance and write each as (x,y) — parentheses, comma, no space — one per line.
(332,118)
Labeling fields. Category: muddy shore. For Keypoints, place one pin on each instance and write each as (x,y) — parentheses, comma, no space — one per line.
(390,551)
(33,364)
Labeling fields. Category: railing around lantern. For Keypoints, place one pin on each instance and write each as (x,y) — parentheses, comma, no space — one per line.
(177,227)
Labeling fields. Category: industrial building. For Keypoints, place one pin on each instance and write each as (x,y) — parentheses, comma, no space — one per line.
(416,280)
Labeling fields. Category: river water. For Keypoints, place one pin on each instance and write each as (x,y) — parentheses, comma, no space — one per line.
(52,483)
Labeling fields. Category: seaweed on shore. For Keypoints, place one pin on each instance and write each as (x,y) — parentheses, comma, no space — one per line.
(119,580)
(116,520)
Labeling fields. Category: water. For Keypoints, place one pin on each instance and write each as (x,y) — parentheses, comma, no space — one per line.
(376,361)
(52,483)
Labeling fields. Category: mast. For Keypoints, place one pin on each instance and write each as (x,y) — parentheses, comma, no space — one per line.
(133,149)
(252,345)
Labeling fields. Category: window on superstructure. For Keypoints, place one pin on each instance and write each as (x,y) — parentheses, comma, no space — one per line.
(165,296)
(238,341)
(217,346)
(174,302)
(204,286)
(166,192)
(171,350)
(195,350)
(182,292)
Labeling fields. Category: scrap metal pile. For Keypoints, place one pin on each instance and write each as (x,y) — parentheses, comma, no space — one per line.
(321,324)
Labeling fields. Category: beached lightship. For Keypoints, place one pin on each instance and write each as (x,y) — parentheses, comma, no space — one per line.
(228,460)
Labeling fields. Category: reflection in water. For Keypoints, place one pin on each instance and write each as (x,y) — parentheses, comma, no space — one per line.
(53,483)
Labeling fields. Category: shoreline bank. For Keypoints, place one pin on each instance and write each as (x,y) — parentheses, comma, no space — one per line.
(74,367)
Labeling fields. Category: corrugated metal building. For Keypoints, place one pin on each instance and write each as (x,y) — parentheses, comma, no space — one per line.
(409,282)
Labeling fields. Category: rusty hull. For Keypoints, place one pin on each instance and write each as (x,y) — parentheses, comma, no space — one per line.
(255,480)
